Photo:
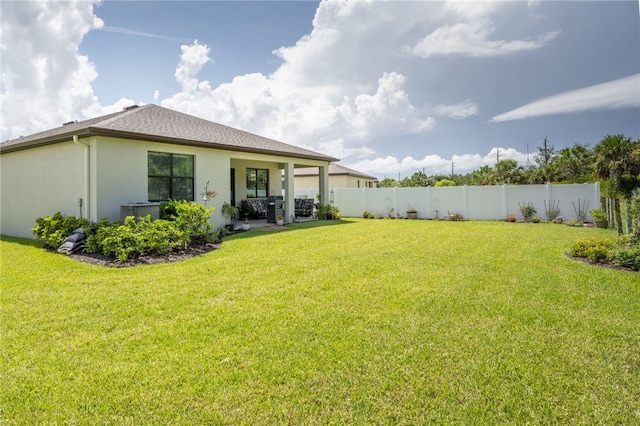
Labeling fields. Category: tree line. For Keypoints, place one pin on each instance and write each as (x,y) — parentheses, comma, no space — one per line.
(614,162)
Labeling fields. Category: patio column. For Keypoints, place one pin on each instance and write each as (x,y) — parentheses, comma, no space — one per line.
(289,193)
(323,189)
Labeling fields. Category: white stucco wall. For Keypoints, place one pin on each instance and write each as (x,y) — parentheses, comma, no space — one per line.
(335,181)
(39,182)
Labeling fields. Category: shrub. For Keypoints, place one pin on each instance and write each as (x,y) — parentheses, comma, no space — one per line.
(537,219)
(192,219)
(595,249)
(135,237)
(182,224)
(528,211)
(626,257)
(365,214)
(53,230)
(327,212)
(573,222)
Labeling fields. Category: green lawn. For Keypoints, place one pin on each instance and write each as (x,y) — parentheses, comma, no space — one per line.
(349,322)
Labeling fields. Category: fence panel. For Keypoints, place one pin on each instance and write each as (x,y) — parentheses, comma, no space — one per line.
(472,202)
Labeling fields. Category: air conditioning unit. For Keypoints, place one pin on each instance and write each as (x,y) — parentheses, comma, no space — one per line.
(140,209)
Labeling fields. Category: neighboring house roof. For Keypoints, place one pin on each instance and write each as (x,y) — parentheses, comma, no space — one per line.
(155,123)
(334,170)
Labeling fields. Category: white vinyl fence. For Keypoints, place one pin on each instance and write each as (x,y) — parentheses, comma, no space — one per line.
(472,202)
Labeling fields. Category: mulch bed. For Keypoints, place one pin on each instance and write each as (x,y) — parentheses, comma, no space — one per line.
(102,260)
(602,264)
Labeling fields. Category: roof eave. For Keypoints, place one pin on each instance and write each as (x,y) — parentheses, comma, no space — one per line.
(98,131)
(204,144)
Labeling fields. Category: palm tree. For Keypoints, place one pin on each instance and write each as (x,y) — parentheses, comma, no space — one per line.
(506,172)
(615,159)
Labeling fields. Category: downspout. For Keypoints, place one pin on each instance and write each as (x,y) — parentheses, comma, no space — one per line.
(87,188)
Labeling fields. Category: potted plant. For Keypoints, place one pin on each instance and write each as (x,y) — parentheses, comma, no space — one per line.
(600,219)
(231,213)
(280,220)
(246,225)
(412,213)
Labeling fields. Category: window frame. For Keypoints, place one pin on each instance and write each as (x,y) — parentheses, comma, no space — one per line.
(252,192)
(172,176)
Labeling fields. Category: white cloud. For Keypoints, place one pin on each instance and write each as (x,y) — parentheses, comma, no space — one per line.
(457,111)
(621,93)
(391,166)
(193,58)
(45,81)
(472,39)
(305,115)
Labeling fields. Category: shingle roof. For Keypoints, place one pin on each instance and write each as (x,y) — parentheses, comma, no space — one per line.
(156,123)
(334,170)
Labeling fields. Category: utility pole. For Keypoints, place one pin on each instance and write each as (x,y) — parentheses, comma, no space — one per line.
(498,155)
(452,169)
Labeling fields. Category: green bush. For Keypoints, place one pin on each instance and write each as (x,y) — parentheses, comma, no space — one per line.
(191,219)
(626,257)
(327,212)
(595,249)
(137,237)
(573,222)
(182,224)
(53,230)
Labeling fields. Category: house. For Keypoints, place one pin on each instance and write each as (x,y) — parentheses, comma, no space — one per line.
(95,168)
(339,177)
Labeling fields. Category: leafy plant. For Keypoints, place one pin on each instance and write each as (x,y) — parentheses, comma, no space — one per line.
(594,249)
(190,218)
(528,211)
(327,212)
(229,211)
(573,222)
(626,257)
(598,214)
(53,230)
(411,210)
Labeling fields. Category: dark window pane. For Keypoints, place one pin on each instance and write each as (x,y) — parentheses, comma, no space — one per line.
(159,164)
(183,165)
(182,189)
(170,176)
(257,182)
(159,188)
(262,183)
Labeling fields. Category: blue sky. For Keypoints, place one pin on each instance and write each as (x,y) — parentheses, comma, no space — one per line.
(389,87)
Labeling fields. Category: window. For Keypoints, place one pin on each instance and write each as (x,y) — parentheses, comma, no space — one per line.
(257,182)
(170,176)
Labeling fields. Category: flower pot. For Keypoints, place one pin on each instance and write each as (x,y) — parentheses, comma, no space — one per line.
(412,215)
(246,226)
(601,223)
(279,222)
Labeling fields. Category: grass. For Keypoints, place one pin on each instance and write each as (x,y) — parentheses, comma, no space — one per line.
(350,322)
